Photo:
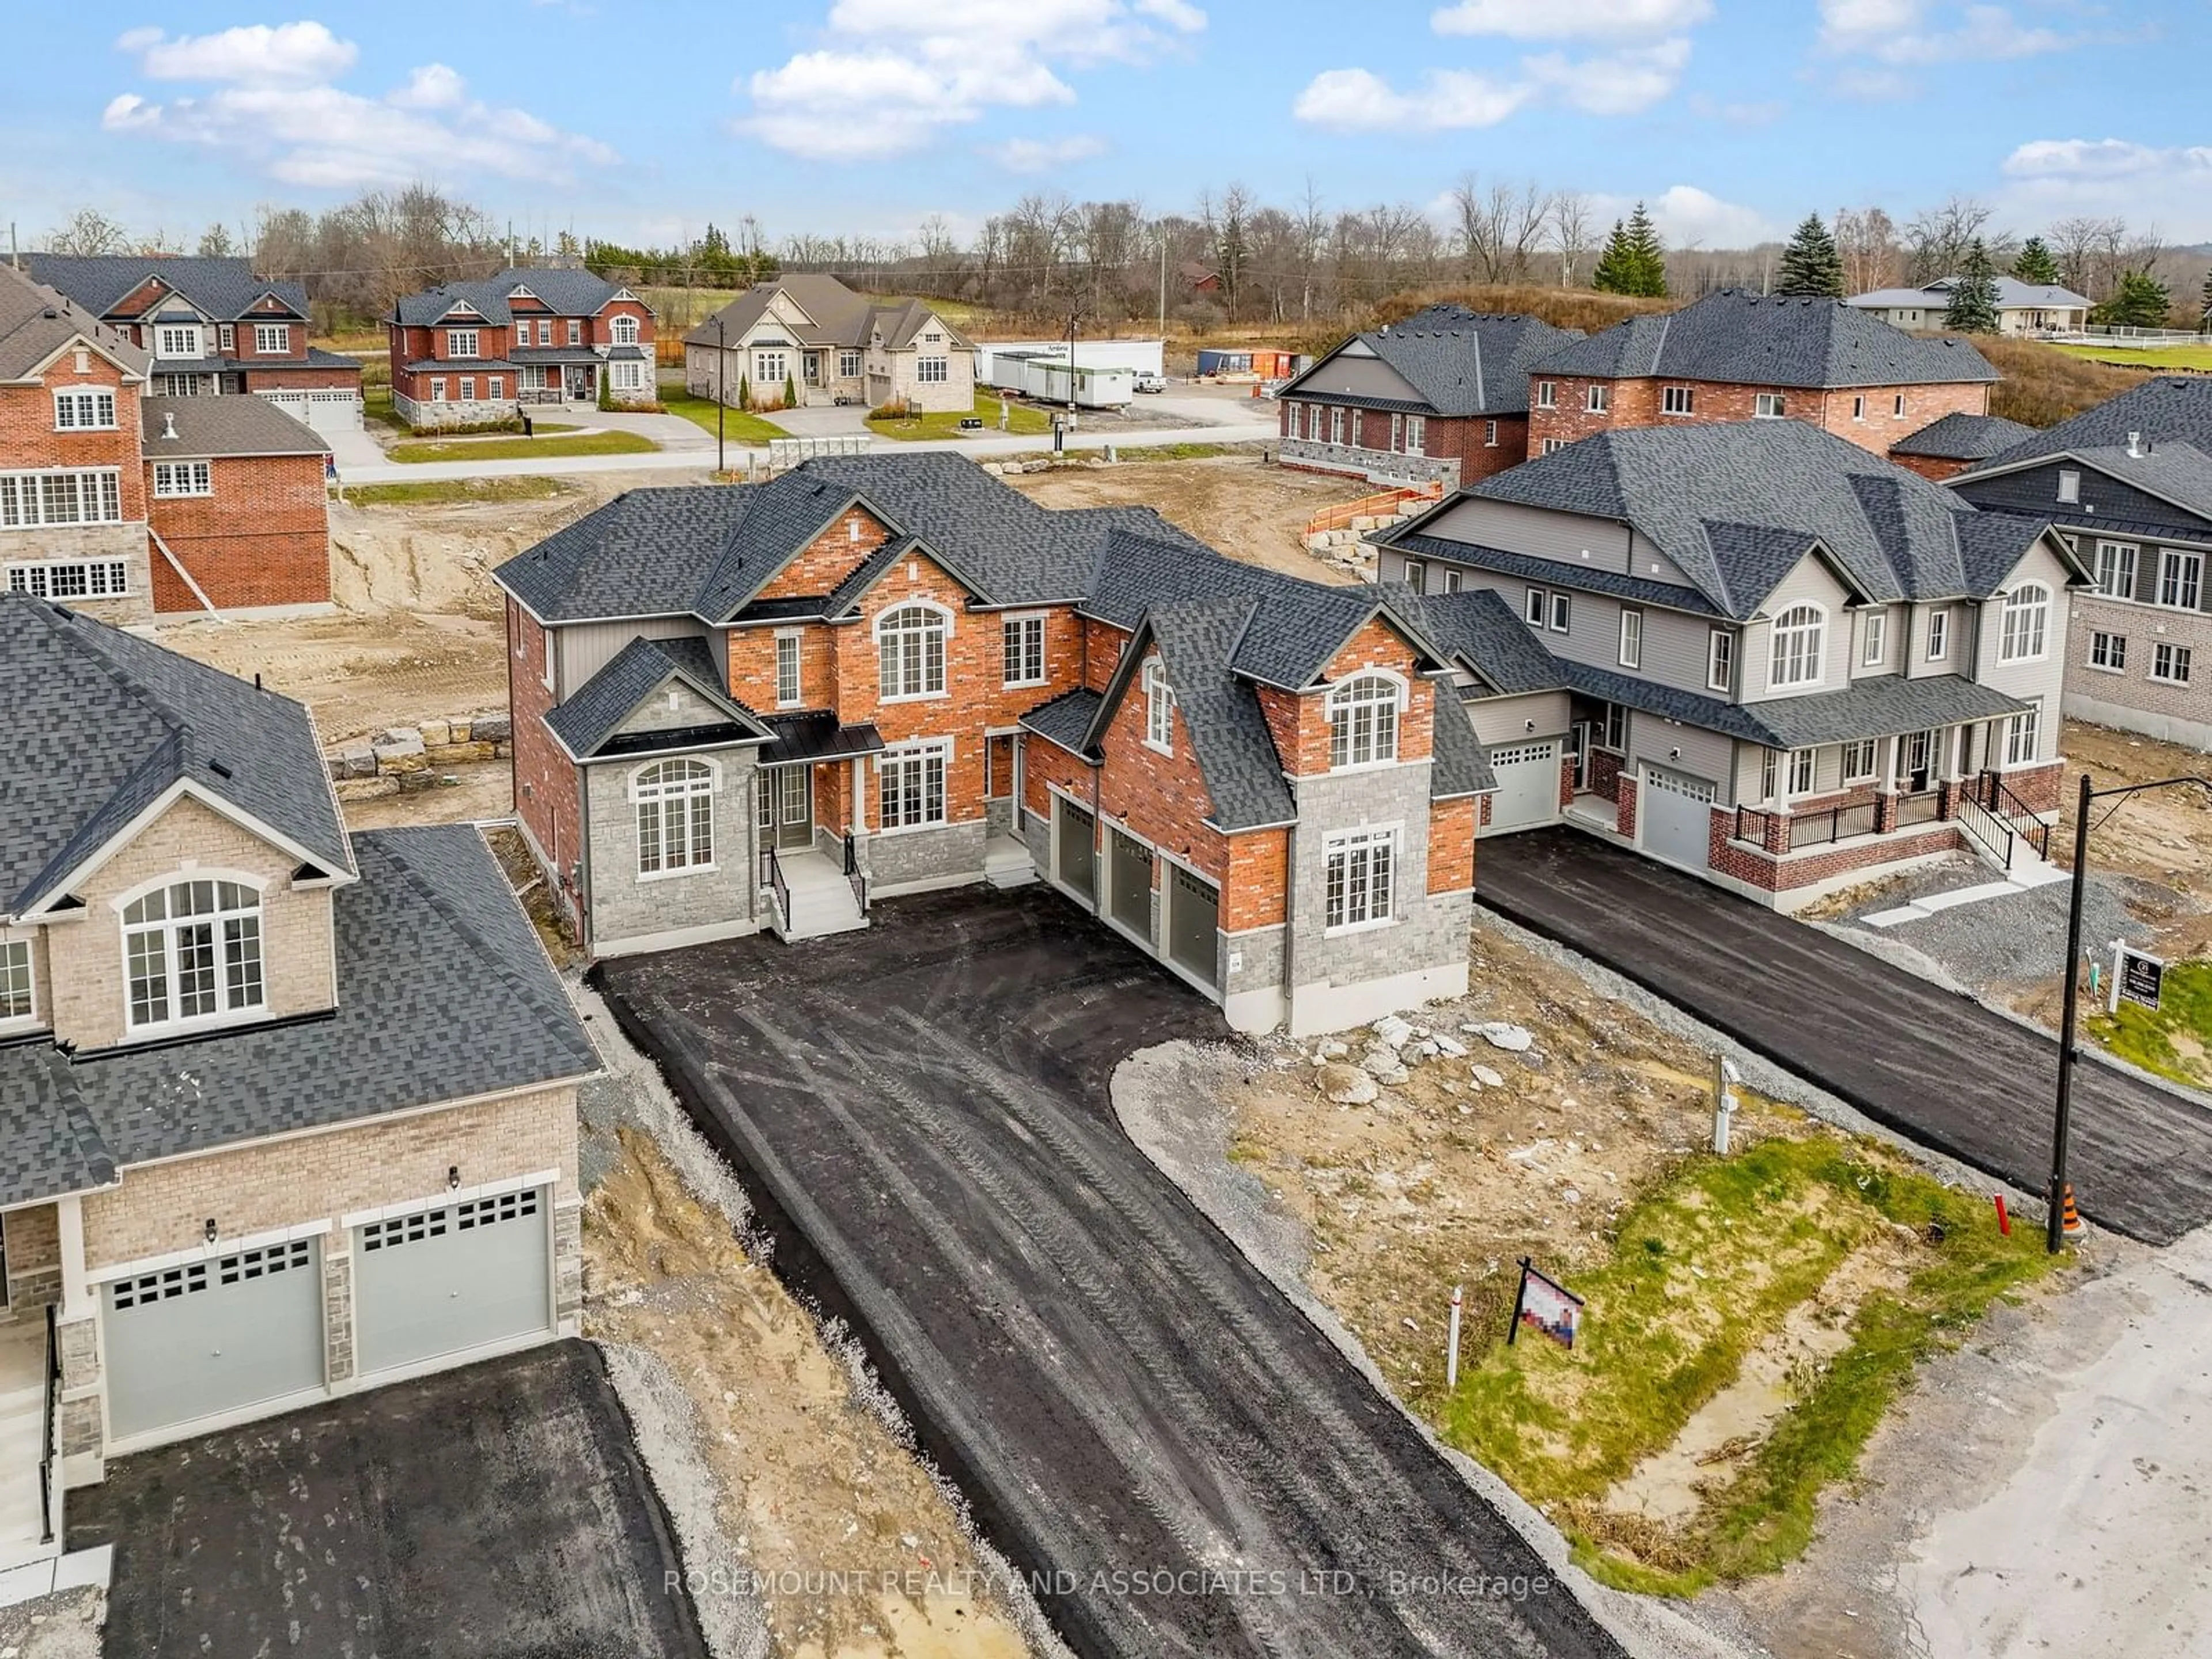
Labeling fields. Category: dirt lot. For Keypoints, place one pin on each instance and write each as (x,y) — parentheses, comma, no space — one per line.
(1237,504)
(812,1483)
(2163,837)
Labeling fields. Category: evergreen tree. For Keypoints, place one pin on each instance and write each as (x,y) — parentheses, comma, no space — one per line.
(2140,300)
(1634,261)
(2035,264)
(1974,294)
(1812,269)
(2204,305)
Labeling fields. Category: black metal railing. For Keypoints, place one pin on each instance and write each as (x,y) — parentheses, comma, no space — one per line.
(1750,825)
(1926,807)
(853,878)
(2026,824)
(772,879)
(1836,824)
(1985,828)
(46,1442)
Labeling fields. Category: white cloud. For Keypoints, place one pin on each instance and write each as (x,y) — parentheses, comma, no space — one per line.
(1043,154)
(1758,114)
(938,63)
(1688,216)
(1619,84)
(303,131)
(256,56)
(2169,187)
(1570,20)
(1360,100)
(1918,33)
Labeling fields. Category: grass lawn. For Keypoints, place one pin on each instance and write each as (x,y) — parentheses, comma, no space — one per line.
(1705,1269)
(1025,420)
(520,449)
(376,408)
(2176,1040)
(2178,356)
(448,492)
(738,425)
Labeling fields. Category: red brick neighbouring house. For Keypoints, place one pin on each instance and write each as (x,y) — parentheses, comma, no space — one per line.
(1943,449)
(214,328)
(1440,398)
(772,706)
(1739,356)
(112,498)
(469,354)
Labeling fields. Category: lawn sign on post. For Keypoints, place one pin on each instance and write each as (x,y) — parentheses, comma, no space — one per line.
(1724,1075)
(2137,977)
(1548,1305)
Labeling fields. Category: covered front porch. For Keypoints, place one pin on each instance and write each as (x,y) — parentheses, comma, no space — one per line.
(810,822)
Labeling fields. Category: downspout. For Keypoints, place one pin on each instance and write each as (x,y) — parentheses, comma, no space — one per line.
(1290,914)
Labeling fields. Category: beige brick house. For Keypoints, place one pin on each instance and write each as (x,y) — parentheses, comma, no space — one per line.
(814,338)
(283,1113)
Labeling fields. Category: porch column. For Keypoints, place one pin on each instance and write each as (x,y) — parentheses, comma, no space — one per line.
(1951,744)
(1885,797)
(860,812)
(76,1295)
(1778,807)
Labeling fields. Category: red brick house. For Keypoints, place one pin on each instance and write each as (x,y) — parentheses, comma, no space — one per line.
(131,507)
(776,705)
(214,328)
(1440,398)
(1943,449)
(1740,357)
(468,353)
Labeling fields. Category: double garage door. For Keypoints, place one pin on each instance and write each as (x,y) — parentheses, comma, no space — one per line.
(221,1337)
(1528,786)
(327,409)
(1675,814)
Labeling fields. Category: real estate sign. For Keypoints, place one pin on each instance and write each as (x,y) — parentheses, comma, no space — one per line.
(2135,976)
(1546,1305)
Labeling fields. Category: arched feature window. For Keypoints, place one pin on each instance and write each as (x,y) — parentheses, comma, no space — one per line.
(192,950)
(911,644)
(675,802)
(622,330)
(2026,624)
(1362,721)
(1801,646)
(1159,707)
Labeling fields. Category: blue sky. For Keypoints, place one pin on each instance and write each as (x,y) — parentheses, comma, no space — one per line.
(644,120)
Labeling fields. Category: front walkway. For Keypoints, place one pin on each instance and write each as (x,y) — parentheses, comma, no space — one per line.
(1927,1063)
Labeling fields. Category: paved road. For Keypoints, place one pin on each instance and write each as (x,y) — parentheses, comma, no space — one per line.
(1929,1063)
(920,1111)
(495,1512)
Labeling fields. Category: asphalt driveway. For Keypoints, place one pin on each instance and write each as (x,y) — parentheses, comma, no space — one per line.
(495,1512)
(1929,1063)
(920,1112)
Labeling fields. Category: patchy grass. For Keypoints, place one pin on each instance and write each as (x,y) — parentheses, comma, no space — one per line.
(738,426)
(2043,384)
(2150,357)
(448,492)
(1177,452)
(2175,1041)
(1706,1267)
(376,406)
(1024,420)
(518,449)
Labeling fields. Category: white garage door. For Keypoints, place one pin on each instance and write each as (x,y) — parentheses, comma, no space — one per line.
(1673,815)
(1528,786)
(334,411)
(188,1342)
(458,1276)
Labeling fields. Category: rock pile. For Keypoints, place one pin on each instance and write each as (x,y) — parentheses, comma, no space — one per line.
(1392,1048)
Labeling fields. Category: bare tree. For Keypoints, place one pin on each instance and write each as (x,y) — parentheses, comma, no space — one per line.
(1570,232)
(1499,228)
(1866,240)
(1936,239)
(89,231)
(1313,227)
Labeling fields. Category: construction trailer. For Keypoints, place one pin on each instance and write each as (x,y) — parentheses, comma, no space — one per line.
(1045,379)
(1138,356)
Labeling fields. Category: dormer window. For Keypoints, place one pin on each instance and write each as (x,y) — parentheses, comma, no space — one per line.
(1363,722)
(191,952)
(182,342)
(1159,708)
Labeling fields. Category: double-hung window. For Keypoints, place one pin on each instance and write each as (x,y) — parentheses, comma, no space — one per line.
(1678,400)
(1874,643)
(192,950)
(2181,579)
(182,344)
(1599,399)
(932,371)
(1360,877)
(1720,660)
(1632,637)
(2108,652)
(1553,445)
(576,331)
(84,409)
(1769,406)
(911,785)
(1363,722)
(1548,394)
(1859,761)
(1022,650)
(545,331)
(275,340)
(2026,624)
(1562,612)
(175,478)
(462,342)
(2115,570)
(2170,664)
(910,645)
(1537,600)
(788,693)
(675,802)
(2022,736)
(1939,634)
(1612,729)
(1159,707)
(1801,771)
(1417,575)
(848,365)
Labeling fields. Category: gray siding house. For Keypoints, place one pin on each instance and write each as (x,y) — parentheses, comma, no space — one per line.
(2128,485)
(1765,655)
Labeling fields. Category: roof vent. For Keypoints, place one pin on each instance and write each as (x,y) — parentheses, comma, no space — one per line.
(168,426)
(2136,444)
(218,768)
(50,313)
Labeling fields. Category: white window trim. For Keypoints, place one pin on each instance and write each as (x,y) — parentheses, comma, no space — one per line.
(1159,705)
(27,1021)
(1820,654)
(2007,652)
(1632,656)
(2172,649)
(2031,721)
(1717,677)
(282,333)
(2089,660)
(1760,411)
(1597,399)
(1399,699)
(1548,394)
(1686,396)
(796,638)
(1536,607)
(1938,634)
(194,472)
(634,787)
(245,1014)
(1559,614)
(876,632)
(80,395)
(2170,558)
(943,747)
(1874,647)
(622,330)
(1345,841)
(1873,747)
(2126,556)
(2070,487)
(1023,619)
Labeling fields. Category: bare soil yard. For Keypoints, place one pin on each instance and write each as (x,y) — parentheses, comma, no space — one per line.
(1237,504)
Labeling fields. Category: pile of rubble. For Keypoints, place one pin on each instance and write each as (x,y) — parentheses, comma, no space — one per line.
(1391,1048)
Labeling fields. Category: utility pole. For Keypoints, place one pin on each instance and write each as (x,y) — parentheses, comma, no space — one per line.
(2054,1236)
(721,370)
(1073,317)
(1163,283)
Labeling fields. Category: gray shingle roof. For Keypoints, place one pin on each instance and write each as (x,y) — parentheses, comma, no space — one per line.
(1750,339)
(1480,628)
(35,322)
(817,735)
(2013,295)
(1459,765)
(107,721)
(643,554)
(1462,362)
(1962,437)
(1553,573)
(1992,544)
(1198,641)
(1066,719)
(431,913)
(1734,504)
(1881,706)
(208,426)
(565,293)
(2166,408)
(223,288)
(49,1144)
(593,712)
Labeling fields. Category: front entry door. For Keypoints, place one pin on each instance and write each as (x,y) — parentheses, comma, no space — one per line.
(1919,750)
(580,383)
(794,808)
(1582,739)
